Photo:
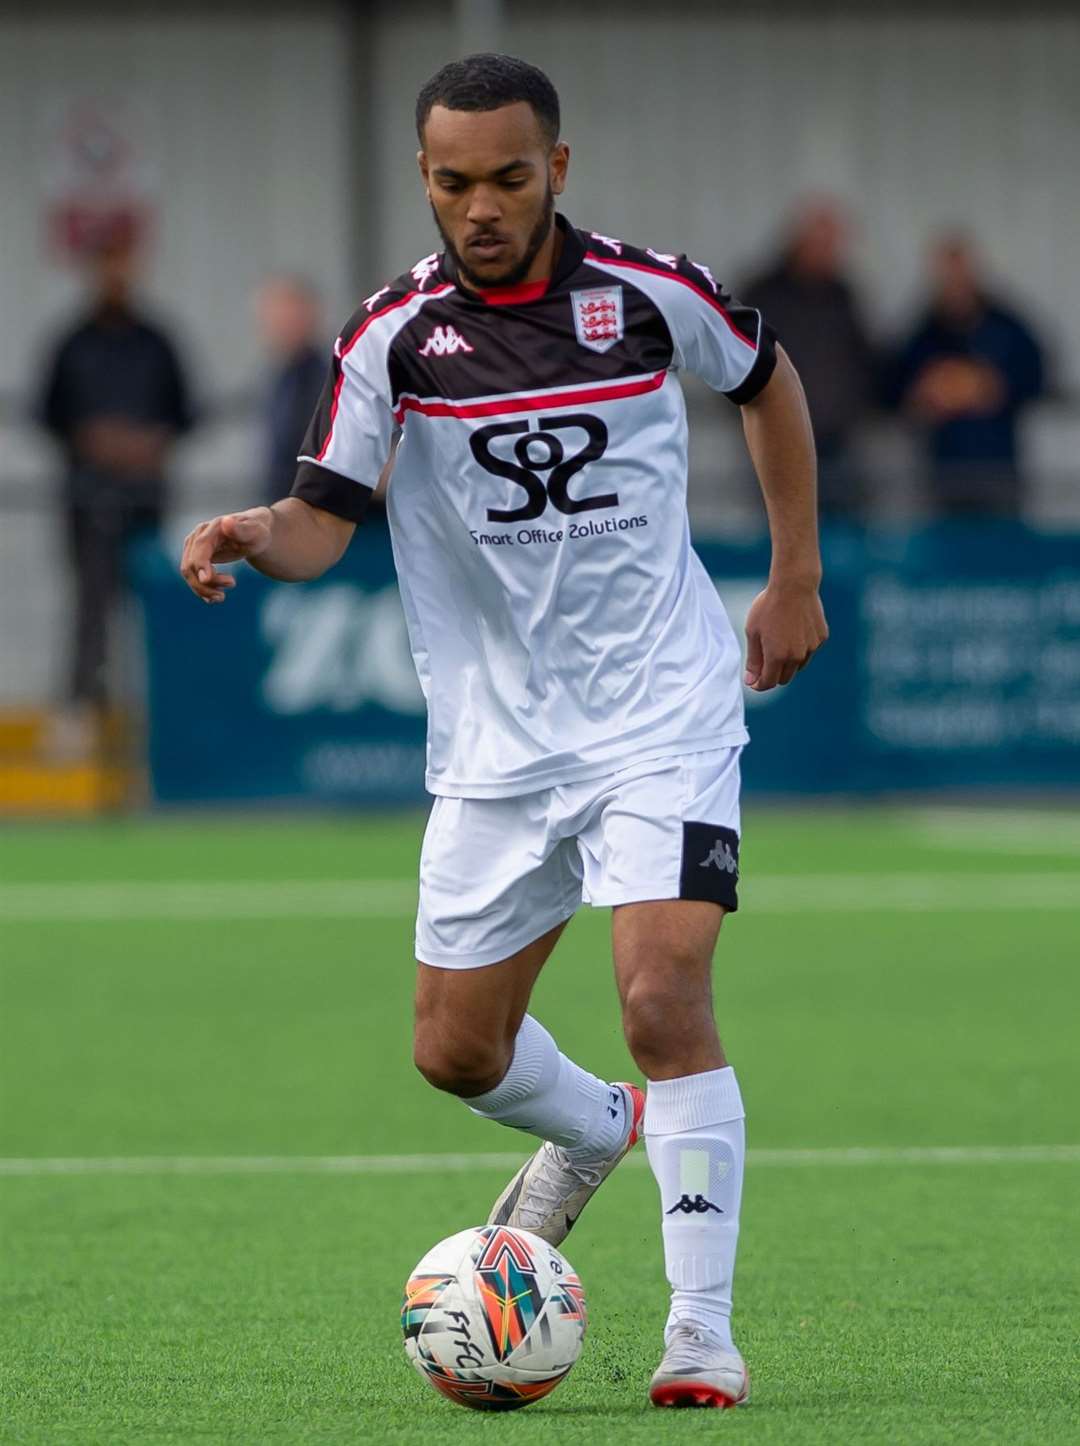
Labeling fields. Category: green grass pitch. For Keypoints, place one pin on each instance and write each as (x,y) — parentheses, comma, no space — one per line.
(893,1299)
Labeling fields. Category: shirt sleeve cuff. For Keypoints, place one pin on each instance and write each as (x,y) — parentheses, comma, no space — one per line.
(760,371)
(329,490)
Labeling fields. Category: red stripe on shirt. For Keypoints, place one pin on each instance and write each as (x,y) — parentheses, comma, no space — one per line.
(574,396)
(357,334)
(333,413)
(683,281)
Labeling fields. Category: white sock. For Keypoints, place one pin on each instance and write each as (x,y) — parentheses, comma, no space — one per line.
(548,1095)
(696,1143)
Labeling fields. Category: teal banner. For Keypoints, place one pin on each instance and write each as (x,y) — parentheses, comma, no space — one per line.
(953,663)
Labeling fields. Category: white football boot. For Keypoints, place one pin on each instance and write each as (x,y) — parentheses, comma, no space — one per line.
(550,1191)
(698,1371)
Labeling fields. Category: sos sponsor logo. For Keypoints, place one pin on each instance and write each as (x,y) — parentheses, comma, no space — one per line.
(542,459)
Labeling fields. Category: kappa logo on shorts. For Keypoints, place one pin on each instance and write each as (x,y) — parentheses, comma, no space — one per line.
(710,864)
(722,857)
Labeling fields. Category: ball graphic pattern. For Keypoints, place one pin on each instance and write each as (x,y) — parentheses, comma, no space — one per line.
(494,1318)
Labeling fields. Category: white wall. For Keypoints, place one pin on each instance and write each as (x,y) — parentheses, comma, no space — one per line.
(246,133)
(692,130)
(689,129)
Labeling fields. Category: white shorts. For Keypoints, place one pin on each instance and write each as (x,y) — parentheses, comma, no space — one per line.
(496,873)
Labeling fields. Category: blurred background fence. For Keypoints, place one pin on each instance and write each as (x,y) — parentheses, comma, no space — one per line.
(895,184)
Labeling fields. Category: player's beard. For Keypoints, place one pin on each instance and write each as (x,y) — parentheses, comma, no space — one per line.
(520,270)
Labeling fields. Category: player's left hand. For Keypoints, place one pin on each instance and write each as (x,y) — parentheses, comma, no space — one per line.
(784,629)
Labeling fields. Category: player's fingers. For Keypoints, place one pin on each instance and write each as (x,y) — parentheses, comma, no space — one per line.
(213,590)
(768,675)
(195,574)
(203,550)
(195,565)
(188,550)
(754,657)
(216,589)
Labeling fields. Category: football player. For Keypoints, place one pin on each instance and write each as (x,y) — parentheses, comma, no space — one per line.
(582,678)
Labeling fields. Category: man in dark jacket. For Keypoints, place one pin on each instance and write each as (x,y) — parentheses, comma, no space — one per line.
(290,320)
(115,397)
(812,304)
(964,375)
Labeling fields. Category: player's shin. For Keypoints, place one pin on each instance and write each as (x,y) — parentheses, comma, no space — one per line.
(550,1096)
(695,1139)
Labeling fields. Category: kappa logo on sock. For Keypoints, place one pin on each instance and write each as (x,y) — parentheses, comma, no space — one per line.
(697,1206)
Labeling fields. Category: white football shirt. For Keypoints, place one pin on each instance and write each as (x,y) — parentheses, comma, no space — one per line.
(561,624)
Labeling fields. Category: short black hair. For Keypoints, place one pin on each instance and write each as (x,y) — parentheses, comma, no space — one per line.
(486,82)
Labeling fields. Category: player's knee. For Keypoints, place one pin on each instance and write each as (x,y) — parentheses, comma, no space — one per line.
(663,1026)
(462,1066)
(648,1033)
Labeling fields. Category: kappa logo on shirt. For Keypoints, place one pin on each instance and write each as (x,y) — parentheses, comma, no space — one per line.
(370,302)
(425,269)
(444,341)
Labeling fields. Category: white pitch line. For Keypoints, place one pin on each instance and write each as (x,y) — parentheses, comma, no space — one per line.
(208,899)
(1051,825)
(910,893)
(1009,832)
(463,1163)
(263,899)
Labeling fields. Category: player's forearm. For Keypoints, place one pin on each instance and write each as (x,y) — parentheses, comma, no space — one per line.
(304,541)
(781,445)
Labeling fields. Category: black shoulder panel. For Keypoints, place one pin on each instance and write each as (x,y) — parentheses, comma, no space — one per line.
(377,304)
(747,321)
(662,263)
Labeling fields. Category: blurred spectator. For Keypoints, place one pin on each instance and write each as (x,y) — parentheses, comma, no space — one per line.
(290,320)
(964,375)
(807,296)
(115,397)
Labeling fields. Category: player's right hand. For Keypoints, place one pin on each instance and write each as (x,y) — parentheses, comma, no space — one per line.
(229,538)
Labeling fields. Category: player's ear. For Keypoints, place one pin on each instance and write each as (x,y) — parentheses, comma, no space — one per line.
(421,161)
(557,164)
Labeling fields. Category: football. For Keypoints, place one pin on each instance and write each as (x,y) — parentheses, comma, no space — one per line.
(494,1318)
